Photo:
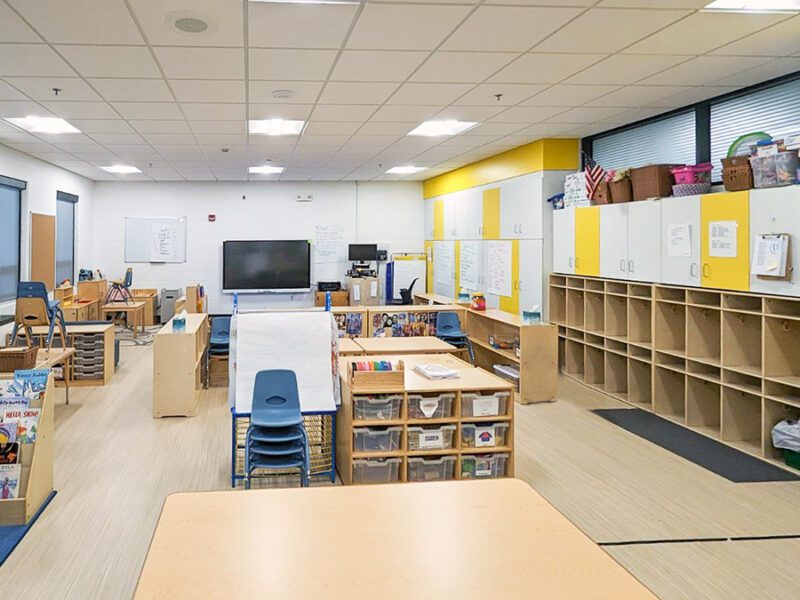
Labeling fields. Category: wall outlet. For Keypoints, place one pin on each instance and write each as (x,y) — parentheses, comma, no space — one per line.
(303,197)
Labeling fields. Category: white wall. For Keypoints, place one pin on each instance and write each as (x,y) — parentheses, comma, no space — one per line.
(44,180)
(390,213)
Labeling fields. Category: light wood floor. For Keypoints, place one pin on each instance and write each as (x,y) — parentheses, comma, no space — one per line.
(115,465)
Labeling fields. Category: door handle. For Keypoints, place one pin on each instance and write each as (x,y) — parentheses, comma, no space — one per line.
(622,265)
(570,262)
(630,266)
(693,270)
(705,270)
(520,227)
(577,263)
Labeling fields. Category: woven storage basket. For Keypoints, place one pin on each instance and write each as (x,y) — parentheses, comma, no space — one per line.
(737,173)
(12,359)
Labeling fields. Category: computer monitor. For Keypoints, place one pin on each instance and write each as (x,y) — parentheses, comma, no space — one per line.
(363,252)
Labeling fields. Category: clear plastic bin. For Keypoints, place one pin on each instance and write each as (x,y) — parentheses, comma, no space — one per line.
(431,469)
(779,169)
(376,439)
(483,405)
(91,353)
(483,465)
(377,408)
(430,407)
(480,435)
(431,438)
(508,372)
(377,470)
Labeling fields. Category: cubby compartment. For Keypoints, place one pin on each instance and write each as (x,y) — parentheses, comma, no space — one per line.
(640,353)
(558,305)
(703,334)
(596,340)
(594,371)
(704,370)
(573,358)
(575,282)
(784,393)
(742,303)
(670,294)
(742,381)
(597,285)
(669,394)
(670,327)
(483,465)
(774,413)
(741,420)
(640,291)
(575,308)
(703,406)
(616,375)
(782,308)
(675,363)
(431,468)
(741,342)
(616,346)
(594,312)
(575,334)
(640,384)
(782,350)
(616,316)
(558,280)
(640,321)
(615,287)
(703,298)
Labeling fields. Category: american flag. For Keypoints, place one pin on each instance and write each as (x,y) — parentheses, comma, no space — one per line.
(594,175)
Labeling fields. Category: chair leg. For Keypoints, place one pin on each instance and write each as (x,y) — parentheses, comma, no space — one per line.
(13,341)
(471,352)
(50,332)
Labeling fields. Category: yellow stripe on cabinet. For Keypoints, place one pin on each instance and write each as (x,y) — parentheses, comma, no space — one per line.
(511,303)
(491,214)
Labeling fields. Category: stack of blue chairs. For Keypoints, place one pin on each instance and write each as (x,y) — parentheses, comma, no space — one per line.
(220,335)
(276,438)
(448,329)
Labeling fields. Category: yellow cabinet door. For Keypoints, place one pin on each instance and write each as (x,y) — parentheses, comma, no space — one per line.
(491,214)
(511,303)
(438,219)
(587,240)
(429,265)
(725,241)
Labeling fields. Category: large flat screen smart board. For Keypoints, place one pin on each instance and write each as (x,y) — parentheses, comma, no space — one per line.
(266,265)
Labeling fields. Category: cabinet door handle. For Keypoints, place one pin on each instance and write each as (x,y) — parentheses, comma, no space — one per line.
(705,270)
(693,270)
(577,262)
(520,227)
(570,262)
(630,266)
(622,265)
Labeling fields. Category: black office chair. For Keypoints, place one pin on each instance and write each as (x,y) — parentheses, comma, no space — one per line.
(406,295)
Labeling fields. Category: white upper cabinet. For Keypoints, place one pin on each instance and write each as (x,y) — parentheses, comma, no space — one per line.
(777,211)
(644,240)
(450,208)
(520,208)
(680,258)
(429,218)
(614,241)
(564,241)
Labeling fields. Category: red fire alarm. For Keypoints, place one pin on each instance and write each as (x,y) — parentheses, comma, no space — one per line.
(212,218)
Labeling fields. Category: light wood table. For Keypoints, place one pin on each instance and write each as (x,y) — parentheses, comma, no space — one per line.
(405,345)
(131,309)
(463,539)
(349,347)
(46,359)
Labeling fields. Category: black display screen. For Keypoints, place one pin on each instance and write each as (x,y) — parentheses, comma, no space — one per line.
(266,265)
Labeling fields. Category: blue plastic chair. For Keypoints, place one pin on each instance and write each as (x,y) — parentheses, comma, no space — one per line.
(120,288)
(220,335)
(34,308)
(448,329)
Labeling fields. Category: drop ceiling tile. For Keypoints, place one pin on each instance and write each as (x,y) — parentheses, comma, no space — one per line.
(22,109)
(163,174)
(221,139)
(223,17)
(704,70)
(691,95)
(470,113)
(429,94)
(14,29)
(510,94)
(32,60)
(292,26)
(125,149)
(81,110)
(703,32)
(376,65)
(540,130)
(569,95)
(201,63)
(180,164)
(545,68)
(310,139)
(270,142)
(779,40)
(776,67)
(169,139)
(214,112)
(462,67)
(280,111)
(111,61)
(133,90)
(608,30)
(343,112)
(117,138)
(585,114)
(492,129)
(367,141)
(102,125)
(149,110)
(334,128)
(290,65)
(160,126)
(654,3)
(87,22)
(641,95)
(41,88)
(377,128)
(218,126)
(303,92)
(337,92)
(404,27)
(9,93)
(526,114)
(508,28)
(176,150)
(199,90)
(625,69)
(406,114)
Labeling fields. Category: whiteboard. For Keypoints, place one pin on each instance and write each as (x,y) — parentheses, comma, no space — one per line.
(406,270)
(155,239)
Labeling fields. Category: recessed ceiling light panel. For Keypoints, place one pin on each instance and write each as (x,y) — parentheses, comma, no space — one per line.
(266,170)
(405,170)
(275,127)
(191,25)
(43,124)
(442,128)
(754,5)
(121,169)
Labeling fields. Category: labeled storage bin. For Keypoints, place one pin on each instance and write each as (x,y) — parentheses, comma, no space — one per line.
(376,439)
(483,405)
(483,465)
(431,438)
(377,408)
(480,435)
(430,407)
(508,372)
(689,174)
(775,170)
(376,470)
(431,469)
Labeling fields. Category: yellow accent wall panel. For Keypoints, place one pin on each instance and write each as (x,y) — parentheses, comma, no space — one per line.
(429,265)
(491,214)
(732,273)
(587,240)
(561,154)
(438,220)
(511,303)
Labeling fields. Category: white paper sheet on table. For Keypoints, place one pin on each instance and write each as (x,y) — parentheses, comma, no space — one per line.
(498,268)
(468,265)
(304,342)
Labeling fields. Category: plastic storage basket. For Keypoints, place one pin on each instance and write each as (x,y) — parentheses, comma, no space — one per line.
(431,438)
(508,372)
(377,470)
(431,469)
(377,408)
(430,407)
(483,465)
(772,171)
(693,174)
(483,405)
(376,439)
(479,435)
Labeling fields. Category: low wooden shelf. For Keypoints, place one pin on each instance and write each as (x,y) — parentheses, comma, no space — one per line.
(134,313)
(150,298)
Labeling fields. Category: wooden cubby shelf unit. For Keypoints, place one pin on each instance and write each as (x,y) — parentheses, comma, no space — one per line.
(724,364)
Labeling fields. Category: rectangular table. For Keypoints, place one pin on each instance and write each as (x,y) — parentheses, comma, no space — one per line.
(134,309)
(404,345)
(463,539)
(349,347)
(46,359)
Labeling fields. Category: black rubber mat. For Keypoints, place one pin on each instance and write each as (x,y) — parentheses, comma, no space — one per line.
(730,463)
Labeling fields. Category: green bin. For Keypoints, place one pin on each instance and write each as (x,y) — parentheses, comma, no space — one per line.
(792,458)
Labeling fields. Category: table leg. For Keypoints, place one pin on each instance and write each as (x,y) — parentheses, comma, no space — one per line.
(67,377)
(135,323)
(141,318)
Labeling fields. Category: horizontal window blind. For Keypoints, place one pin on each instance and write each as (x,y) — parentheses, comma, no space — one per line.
(774,110)
(669,140)
(9,241)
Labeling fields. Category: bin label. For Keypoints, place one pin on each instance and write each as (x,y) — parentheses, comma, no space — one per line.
(431,440)
(484,436)
(486,407)
(428,406)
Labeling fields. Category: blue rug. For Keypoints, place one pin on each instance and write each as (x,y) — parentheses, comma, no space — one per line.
(11,535)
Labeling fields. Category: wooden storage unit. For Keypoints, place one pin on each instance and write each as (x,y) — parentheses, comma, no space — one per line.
(407,321)
(351,321)
(178,367)
(36,477)
(195,299)
(150,298)
(93,289)
(724,364)
(471,380)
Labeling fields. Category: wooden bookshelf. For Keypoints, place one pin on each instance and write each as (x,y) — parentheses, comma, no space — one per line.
(150,298)
(179,367)
(724,364)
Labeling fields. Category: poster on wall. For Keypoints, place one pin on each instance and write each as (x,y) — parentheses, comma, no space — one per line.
(329,244)
(722,241)
(468,267)
(163,242)
(443,263)
(498,268)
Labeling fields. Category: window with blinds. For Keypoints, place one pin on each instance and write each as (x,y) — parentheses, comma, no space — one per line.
(65,237)
(9,241)
(669,140)
(774,110)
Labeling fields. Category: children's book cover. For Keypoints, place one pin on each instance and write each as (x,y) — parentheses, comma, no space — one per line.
(8,387)
(27,421)
(10,481)
(9,453)
(8,432)
(32,381)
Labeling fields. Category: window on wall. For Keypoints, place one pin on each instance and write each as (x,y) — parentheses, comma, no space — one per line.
(10,209)
(669,140)
(65,237)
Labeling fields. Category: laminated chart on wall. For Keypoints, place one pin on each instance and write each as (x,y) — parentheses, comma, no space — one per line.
(155,239)
(163,242)
(498,268)
(722,239)
(443,261)
(679,240)
(305,342)
(469,269)
(770,255)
